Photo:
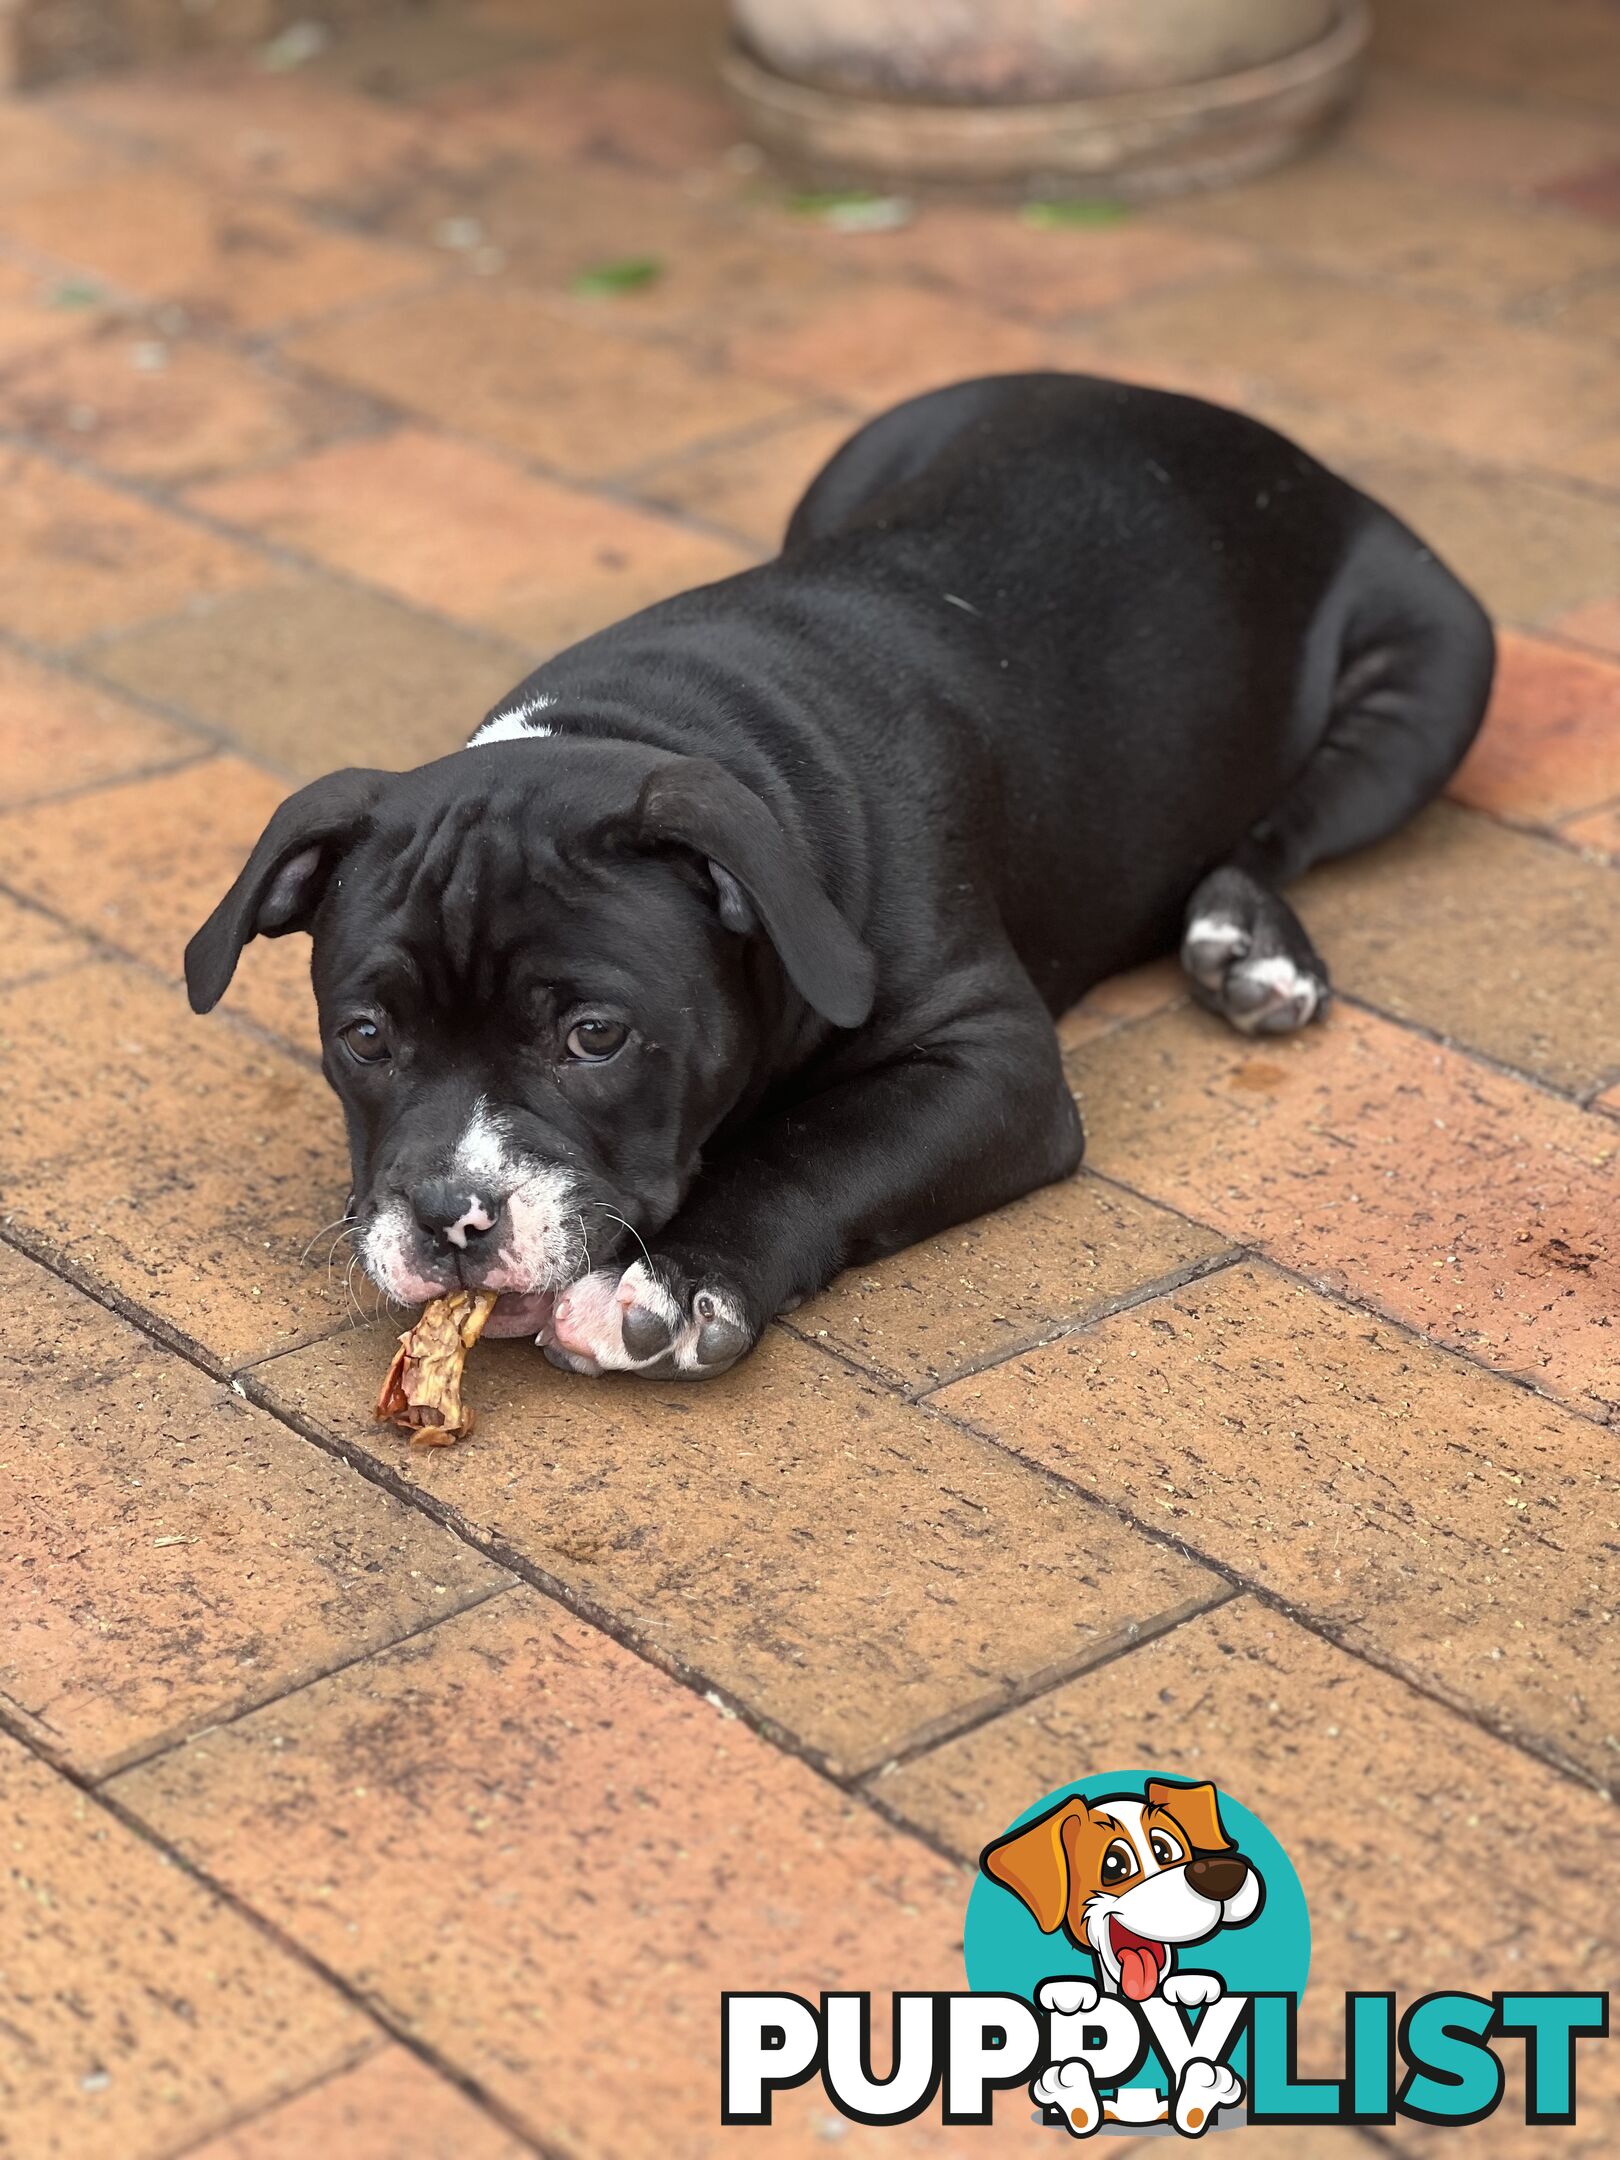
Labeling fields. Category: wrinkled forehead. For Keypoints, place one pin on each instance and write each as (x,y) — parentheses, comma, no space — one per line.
(476,909)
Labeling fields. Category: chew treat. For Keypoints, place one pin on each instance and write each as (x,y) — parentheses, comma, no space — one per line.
(423,1390)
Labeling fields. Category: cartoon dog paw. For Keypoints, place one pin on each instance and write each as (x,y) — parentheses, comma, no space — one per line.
(648,1320)
(1067,2087)
(1067,1998)
(1191,1990)
(1203,2088)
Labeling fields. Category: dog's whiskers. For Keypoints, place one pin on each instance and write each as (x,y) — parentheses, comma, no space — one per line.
(630,1226)
(344,1228)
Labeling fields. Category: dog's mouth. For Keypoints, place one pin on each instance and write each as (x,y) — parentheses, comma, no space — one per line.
(1141,1962)
(521,1313)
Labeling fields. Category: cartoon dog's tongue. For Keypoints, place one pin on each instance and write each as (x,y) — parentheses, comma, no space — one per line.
(1140,1962)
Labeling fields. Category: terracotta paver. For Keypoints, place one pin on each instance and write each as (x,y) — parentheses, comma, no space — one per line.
(1394,1811)
(1569,55)
(1344,215)
(1593,191)
(1441,372)
(454,527)
(181,1556)
(505,366)
(31,944)
(570,108)
(388,2107)
(1455,1526)
(240,262)
(142,865)
(555,224)
(628,1850)
(1551,741)
(1493,938)
(256,132)
(308,675)
(59,733)
(141,2012)
(983,1289)
(79,558)
(1596,623)
(883,342)
(1442,132)
(38,152)
(924,1574)
(1444,1194)
(42,311)
(1018,266)
(1531,547)
(184,1164)
(397,59)
(1136,995)
(136,402)
(749,487)
(1589,313)
(1596,834)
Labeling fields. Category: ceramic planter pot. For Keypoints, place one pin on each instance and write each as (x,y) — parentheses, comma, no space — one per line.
(1124,96)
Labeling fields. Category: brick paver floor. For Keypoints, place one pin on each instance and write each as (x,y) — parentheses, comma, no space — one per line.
(404,1805)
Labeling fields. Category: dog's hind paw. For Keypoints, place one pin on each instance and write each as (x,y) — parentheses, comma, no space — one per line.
(1248,957)
(646,1320)
(1204,2088)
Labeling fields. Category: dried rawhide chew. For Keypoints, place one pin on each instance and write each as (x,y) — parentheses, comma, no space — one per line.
(423,1389)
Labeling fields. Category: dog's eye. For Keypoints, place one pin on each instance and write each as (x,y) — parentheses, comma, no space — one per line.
(594,1041)
(1165,1849)
(365,1042)
(1118,1862)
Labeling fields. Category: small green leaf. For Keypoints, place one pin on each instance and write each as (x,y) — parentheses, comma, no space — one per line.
(1078,213)
(603,280)
(76,294)
(853,209)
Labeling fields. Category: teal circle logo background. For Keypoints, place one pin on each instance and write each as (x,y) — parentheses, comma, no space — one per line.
(1007,1954)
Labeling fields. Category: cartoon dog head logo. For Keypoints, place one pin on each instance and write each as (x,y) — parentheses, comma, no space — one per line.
(1131,1877)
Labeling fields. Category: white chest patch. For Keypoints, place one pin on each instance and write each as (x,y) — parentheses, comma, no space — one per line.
(519,722)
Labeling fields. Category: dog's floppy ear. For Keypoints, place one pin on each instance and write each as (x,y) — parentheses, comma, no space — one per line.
(1196,1809)
(282,880)
(1033,1863)
(763,879)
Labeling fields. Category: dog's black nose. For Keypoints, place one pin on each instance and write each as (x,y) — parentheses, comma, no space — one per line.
(450,1214)
(1217,1875)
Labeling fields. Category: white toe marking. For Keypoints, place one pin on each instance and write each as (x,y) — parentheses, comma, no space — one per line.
(1289,985)
(588,1319)
(1211,944)
(1217,931)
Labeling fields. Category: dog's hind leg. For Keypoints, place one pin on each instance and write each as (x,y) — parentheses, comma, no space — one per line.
(1415,659)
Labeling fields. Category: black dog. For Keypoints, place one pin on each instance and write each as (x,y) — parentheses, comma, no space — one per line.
(732,940)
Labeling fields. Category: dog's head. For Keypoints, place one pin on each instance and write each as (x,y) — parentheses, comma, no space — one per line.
(1130,1878)
(546,971)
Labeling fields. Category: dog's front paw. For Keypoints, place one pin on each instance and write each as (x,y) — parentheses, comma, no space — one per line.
(1068,2087)
(1204,2088)
(1067,1998)
(1191,1990)
(651,1320)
